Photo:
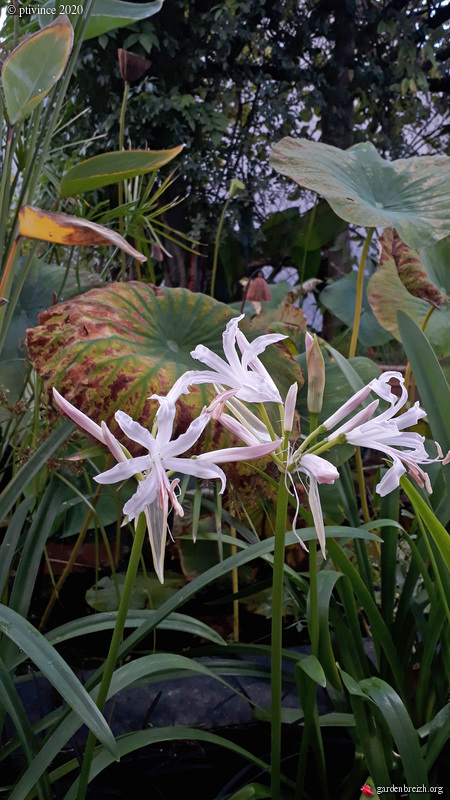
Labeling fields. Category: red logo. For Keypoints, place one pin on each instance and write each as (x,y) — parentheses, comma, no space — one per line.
(367,790)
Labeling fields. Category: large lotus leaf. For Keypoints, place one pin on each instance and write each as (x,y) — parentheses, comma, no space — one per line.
(112,348)
(340,298)
(436,262)
(107,168)
(42,281)
(387,295)
(106,15)
(411,195)
(34,67)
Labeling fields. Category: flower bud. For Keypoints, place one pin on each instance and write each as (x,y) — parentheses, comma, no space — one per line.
(289,408)
(316,376)
(258,289)
(309,341)
(132,67)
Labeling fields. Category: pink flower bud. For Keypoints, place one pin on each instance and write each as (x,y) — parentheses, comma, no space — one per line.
(316,376)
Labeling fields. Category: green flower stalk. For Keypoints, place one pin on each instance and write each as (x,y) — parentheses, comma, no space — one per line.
(235,187)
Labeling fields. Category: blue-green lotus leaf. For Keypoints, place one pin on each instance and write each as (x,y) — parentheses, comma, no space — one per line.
(411,195)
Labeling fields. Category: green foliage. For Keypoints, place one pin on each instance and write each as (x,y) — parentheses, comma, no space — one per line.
(107,15)
(109,168)
(223,75)
(114,346)
(33,68)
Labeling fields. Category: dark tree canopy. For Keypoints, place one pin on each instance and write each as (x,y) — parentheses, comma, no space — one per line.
(230,79)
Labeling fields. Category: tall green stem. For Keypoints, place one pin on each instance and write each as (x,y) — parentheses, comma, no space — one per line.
(114,647)
(277,634)
(359,293)
(216,248)
(126,90)
(305,250)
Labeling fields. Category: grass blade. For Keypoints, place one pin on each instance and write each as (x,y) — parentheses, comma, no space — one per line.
(401,727)
(55,669)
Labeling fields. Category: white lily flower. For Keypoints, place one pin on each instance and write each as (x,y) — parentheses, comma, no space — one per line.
(247,376)
(155,490)
(154,487)
(386,433)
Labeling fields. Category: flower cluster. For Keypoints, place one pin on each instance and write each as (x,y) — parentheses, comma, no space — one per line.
(240,379)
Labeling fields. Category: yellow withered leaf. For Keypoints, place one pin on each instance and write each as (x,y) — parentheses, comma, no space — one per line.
(54,226)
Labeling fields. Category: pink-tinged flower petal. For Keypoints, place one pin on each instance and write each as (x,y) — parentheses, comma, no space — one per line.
(186,440)
(229,343)
(78,417)
(212,360)
(216,407)
(254,349)
(316,511)
(347,408)
(156,518)
(410,417)
(391,478)
(382,388)
(319,468)
(235,427)
(359,418)
(147,492)
(165,416)
(397,403)
(197,468)
(124,470)
(289,407)
(249,420)
(250,359)
(178,388)
(241,453)
(135,431)
(113,445)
